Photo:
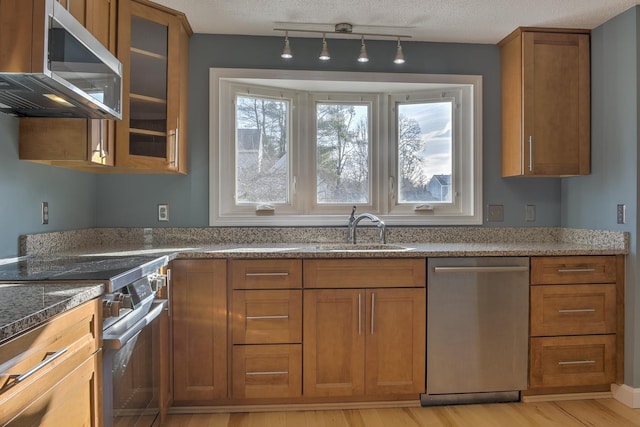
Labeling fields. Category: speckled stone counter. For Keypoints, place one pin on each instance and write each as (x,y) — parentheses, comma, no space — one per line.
(314,241)
(25,305)
(397,250)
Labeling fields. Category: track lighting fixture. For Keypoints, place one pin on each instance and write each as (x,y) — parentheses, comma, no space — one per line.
(286,51)
(343,29)
(324,52)
(363,52)
(399,59)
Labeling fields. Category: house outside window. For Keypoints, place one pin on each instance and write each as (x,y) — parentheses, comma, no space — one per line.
(302,147)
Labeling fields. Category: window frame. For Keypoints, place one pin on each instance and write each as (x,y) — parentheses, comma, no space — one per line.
(303,210)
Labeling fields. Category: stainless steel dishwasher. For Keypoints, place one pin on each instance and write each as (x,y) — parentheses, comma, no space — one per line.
(477,329)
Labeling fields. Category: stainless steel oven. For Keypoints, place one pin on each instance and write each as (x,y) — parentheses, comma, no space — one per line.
(132,354)
(135,326)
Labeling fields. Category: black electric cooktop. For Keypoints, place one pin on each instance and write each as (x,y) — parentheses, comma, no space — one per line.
(115,271)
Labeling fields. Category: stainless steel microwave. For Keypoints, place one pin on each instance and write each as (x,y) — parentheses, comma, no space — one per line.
(51,66)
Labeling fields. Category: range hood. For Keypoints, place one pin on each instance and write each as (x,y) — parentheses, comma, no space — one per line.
(51,66)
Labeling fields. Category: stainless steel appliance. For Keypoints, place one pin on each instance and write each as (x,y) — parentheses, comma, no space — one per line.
(54,67)
(477,329)
(133,327)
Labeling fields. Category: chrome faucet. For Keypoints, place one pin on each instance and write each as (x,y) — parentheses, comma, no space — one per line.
(353,224)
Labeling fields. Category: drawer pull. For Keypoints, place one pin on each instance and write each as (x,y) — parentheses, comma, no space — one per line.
(50,356)
(282,273)
(578,310)
(269,373)
(576,362)
(576,270)
(266,317)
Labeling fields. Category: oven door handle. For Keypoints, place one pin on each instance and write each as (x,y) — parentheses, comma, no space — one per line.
(116,342)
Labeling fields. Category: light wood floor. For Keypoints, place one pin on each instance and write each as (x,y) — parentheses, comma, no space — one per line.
(592,413)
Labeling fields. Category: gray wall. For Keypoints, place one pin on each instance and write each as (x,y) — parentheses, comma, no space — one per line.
(590,202)
(24,185)
(80,200)
(131,200)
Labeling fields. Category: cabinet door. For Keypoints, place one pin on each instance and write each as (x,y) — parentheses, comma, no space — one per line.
(101,16)
(74,400)
(77,8)
(149,44)
(396,341)
(556,103)
(334,339)
(199,311)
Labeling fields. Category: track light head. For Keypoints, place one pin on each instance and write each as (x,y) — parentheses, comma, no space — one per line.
(399,59)
(286,51)
(363,52)
(324,53)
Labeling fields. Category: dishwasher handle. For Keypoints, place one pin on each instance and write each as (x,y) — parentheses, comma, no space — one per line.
(493,269)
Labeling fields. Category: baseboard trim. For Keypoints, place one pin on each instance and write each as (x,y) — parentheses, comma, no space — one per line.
(292,407)
(627,395)
(567,396)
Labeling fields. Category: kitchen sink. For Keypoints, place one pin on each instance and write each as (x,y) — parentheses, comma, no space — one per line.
(361,247)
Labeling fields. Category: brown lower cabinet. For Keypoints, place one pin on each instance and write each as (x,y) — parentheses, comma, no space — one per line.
(199,316)
(248,332)
(577,324)
(343,330)
(364,342)
(68,389)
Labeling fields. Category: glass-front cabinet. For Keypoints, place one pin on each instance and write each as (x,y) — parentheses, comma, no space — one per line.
(153,48)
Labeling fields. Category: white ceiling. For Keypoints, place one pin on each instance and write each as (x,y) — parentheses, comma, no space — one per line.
(464,21)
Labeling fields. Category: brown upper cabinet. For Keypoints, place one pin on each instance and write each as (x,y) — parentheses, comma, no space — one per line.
(153,46)
(545,102)
(76,143)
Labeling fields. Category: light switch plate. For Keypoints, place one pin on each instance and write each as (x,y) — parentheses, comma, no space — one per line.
(530,213)
(495,213)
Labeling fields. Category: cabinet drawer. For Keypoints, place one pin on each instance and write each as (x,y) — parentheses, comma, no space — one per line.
(59,362)
(267,317)
(267,371)
(573,269)
(573,309)
(265,274)
(572,361)
(68,395)
(75,331)
(365,273)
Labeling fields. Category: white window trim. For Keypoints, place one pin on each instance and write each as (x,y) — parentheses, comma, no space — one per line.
(289,80)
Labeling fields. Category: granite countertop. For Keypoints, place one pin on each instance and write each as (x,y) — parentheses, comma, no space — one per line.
(26,305)
(399,250)
(364,250)
(29,303)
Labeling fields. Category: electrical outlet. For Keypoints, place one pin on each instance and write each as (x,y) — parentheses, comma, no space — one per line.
(530,213)
(621,214)
(495,213)
(163,212)
(44,212)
